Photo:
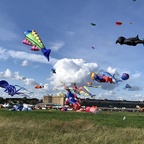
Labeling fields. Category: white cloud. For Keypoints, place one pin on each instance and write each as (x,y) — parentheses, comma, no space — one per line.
(112,70)
(24,63)
(70,33)
(135,88)
(55,46)
(72,70)
(5,54)
(6,74)
(15,76)
(136,75)
(29,81)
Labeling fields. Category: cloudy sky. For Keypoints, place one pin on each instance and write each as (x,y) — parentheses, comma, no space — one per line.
(65,27)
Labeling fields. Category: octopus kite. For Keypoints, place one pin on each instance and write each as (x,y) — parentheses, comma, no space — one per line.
(12,89)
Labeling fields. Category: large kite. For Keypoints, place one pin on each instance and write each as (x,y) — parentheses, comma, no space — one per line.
(106,77)
(72,99)
(133,41)
(81,90)
(33,39)
(12,89)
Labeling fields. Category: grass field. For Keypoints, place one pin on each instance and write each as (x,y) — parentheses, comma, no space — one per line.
(56,127)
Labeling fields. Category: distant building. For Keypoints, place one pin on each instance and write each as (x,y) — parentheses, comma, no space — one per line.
(56,100)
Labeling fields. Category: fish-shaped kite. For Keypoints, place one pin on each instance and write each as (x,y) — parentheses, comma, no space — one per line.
(33,39)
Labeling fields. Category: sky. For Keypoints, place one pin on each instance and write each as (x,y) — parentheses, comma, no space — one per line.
(65,28)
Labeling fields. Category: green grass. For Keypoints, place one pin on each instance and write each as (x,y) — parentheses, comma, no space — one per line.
(56,127)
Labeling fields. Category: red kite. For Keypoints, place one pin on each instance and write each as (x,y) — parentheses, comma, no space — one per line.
(118,23)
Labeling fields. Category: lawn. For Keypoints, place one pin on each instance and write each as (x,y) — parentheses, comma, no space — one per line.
(56,127)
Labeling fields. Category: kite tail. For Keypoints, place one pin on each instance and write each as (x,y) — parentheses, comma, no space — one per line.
(86,91)
(116,80)
(46,52)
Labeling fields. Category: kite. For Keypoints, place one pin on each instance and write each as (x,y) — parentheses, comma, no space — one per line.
(103,77)
(81,90)
(138,107)
(39,87)
(85,90)
(72,99)
(63,83)
(53,71)
(118,23)
(128,86)
(106,77)
(11,89)
(75,88)
(89,84)
(125,76)
(34,48)
(133,41)
(33,39)
(22,77)
(93,47)
(93,24)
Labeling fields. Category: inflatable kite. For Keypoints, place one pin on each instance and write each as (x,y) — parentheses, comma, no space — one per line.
(11,89)
(103,77)
(33,39)
(39,87)
(125,76)
(93,109)
(106,77)
(130,41)
(34,48)
(72,99)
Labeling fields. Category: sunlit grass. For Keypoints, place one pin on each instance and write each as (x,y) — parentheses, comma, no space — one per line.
(55,127)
